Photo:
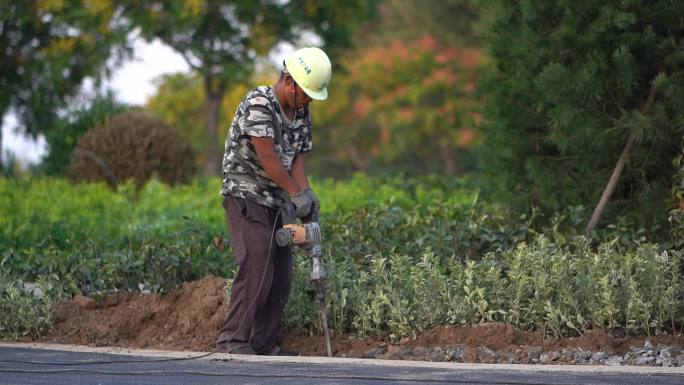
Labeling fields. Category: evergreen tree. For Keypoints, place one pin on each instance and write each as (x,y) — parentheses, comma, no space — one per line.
(578,86)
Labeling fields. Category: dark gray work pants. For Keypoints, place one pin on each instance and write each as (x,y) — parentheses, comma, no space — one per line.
(262,285)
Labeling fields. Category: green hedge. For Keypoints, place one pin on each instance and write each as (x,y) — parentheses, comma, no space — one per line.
(537,285)
(402,255)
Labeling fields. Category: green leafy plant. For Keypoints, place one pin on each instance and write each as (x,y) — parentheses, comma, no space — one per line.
(26,312)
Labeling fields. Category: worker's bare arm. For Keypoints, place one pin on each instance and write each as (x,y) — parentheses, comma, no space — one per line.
(265,150)
(299,171)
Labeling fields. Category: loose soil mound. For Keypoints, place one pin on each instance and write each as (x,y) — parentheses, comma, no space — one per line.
(188,319)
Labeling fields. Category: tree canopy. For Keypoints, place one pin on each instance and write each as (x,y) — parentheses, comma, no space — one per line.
(49,48)
(222,40)
(179,100)
(402,105)
(452,22)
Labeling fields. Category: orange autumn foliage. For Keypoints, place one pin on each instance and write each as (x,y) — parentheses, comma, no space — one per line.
(402,99)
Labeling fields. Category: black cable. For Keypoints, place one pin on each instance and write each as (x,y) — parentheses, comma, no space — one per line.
(263,375)
(107,362)
(263,276)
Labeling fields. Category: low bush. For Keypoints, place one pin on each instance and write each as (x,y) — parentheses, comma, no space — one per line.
(26,312)
(132,145)
(537,285)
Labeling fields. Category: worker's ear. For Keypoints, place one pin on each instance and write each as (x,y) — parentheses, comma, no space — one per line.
(289,82)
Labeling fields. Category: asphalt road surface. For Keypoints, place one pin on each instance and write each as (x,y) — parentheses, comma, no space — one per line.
(47,367)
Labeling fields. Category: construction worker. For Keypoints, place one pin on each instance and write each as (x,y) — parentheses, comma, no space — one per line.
(264,169)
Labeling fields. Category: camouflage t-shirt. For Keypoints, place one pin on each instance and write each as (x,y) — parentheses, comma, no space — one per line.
(260,115)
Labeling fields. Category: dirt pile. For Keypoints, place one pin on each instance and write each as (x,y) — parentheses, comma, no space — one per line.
(188,319)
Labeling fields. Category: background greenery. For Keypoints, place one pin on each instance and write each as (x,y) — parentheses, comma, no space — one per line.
(459,158)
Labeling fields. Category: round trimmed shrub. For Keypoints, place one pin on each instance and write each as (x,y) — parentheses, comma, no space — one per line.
(132,145)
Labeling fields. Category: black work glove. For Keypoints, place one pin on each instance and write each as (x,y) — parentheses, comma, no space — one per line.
(315,203)
(302,204)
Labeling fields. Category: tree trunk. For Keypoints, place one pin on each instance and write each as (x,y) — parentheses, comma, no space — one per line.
(358,160)
(615,176)
(449,159)
(610,187)
(213,97)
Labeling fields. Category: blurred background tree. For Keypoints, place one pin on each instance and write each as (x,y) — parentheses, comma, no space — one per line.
(49,48)
(179,101)
(400,107)
(451,22)
(575,85)
(404,100)
(569,87)
(221,40)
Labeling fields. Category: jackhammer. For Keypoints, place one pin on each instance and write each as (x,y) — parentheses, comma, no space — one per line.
(307,235)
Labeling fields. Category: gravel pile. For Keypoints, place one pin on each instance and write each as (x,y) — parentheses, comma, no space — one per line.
(647,355)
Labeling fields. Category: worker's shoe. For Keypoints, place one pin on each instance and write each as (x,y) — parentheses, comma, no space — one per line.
(278,351)
(236,349)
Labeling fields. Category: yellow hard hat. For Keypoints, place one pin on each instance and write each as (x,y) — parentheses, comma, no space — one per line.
(311,69)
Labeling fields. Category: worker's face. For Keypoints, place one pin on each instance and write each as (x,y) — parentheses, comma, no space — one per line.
(301,99)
